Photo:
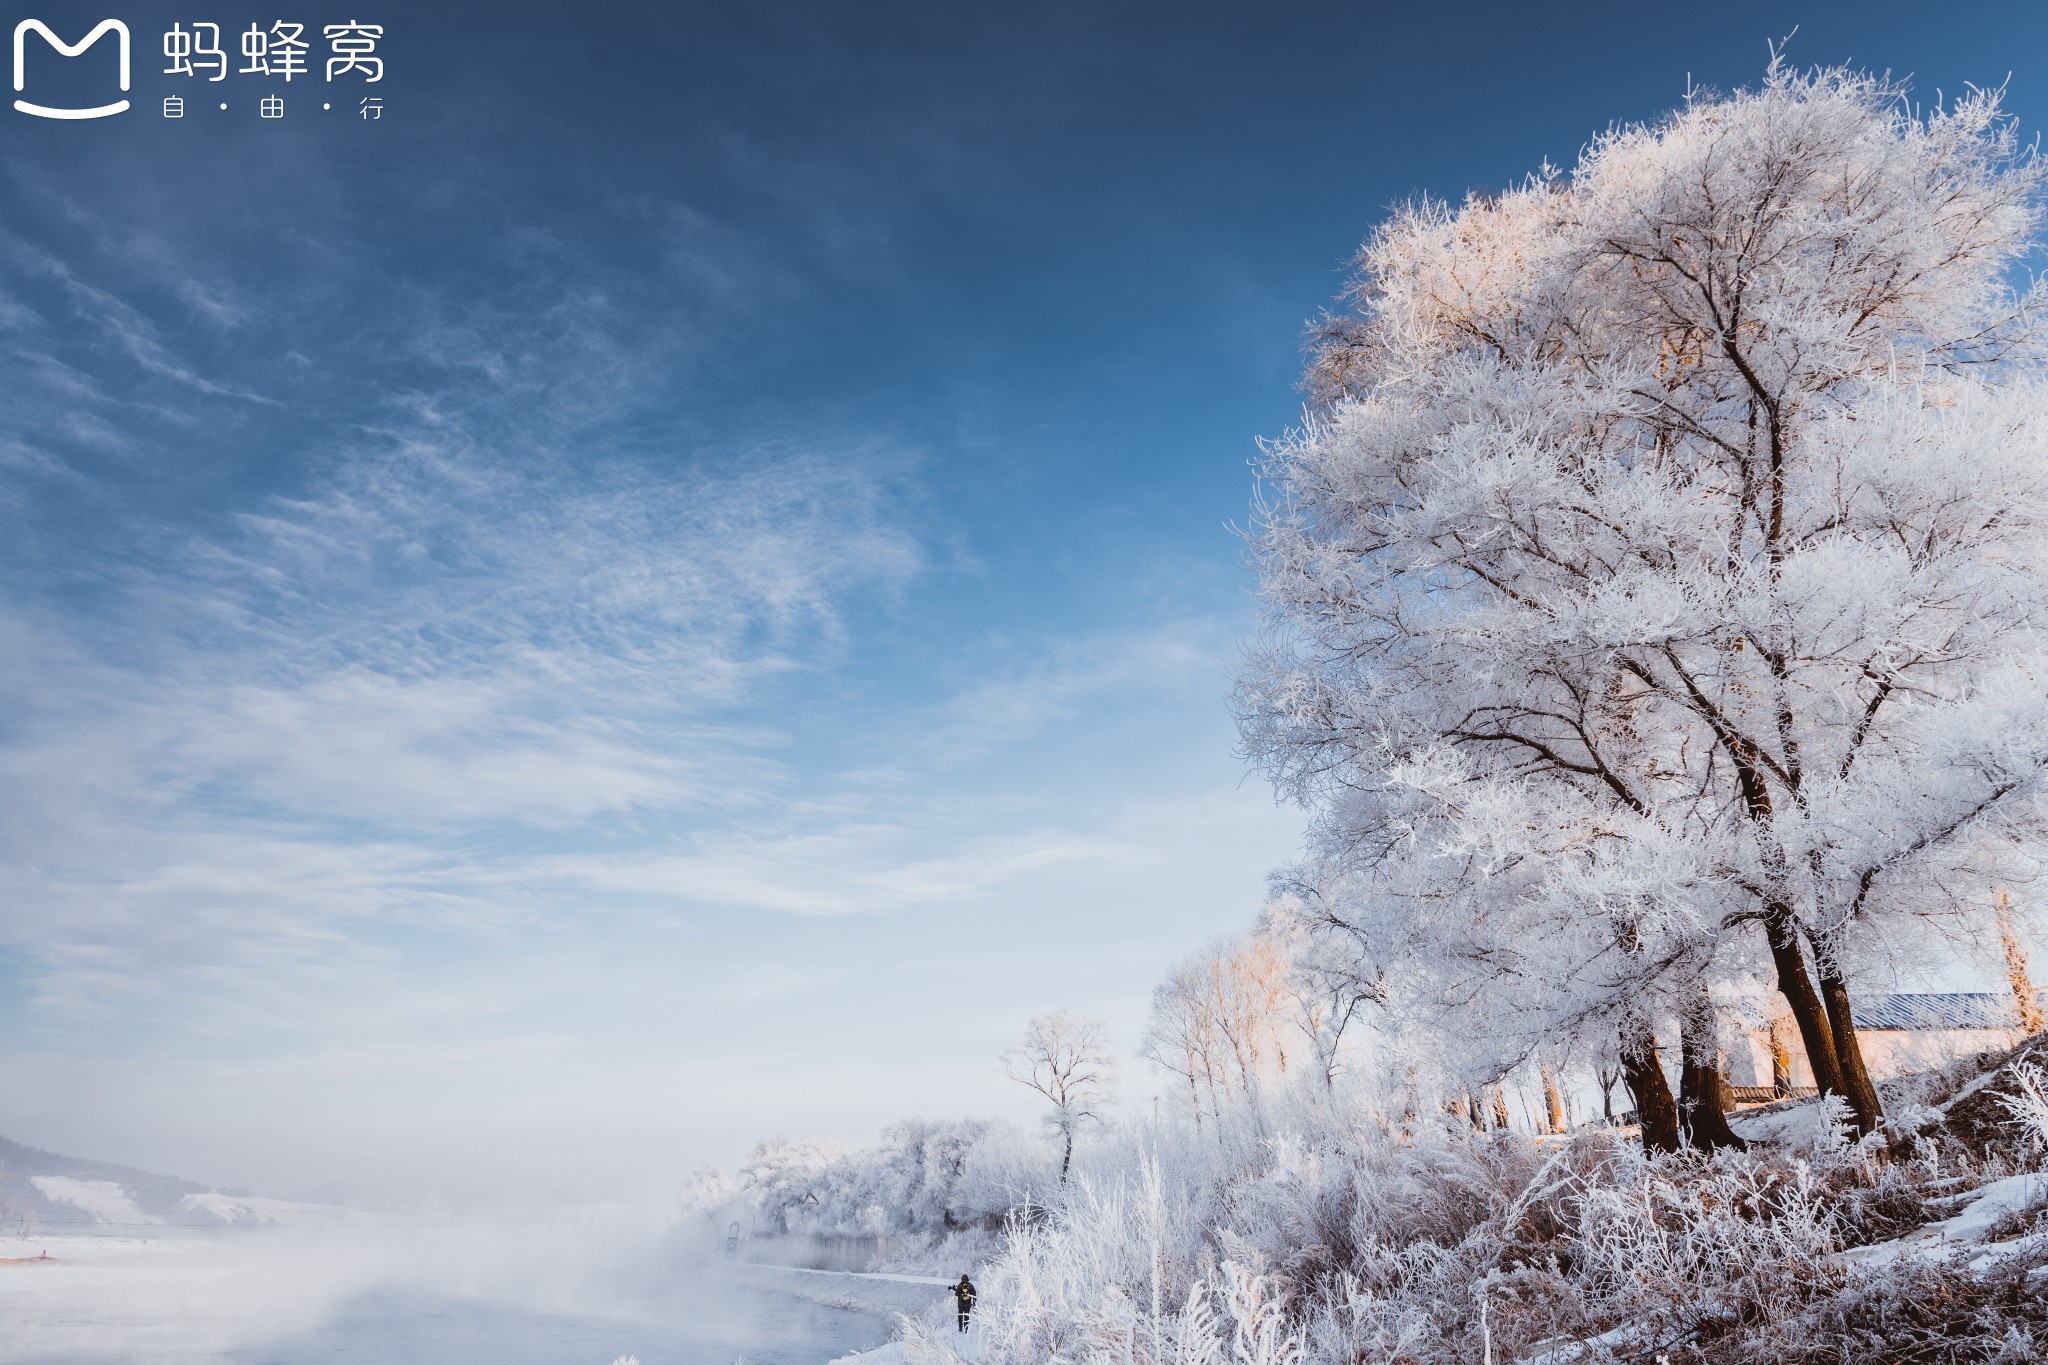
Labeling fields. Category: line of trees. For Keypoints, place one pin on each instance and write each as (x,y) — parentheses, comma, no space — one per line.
(925,1179)
(1224,1019)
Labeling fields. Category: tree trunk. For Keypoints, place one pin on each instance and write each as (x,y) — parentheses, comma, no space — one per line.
(1781,927)
(1553,1103)
(1816,1029)
(1066,1156)
(2026,1001)
(1857,1087)
(1702,1091)
(1655,1109)
(1781,1059)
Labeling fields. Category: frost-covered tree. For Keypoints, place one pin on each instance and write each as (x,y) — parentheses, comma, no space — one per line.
(1324,997)
(786,1179)
(1655,588)
(1182,1037)
(705,1197)
(1221,1021)
(1066,1059)
(1226,1019)
(926,1179)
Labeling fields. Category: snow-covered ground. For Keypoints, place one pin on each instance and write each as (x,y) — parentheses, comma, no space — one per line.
(1970,1233)
(970,1345)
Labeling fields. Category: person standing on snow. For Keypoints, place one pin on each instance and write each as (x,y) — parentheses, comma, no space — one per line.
(963,1294)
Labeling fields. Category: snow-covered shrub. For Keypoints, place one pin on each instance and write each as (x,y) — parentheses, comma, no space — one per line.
(1901,1314)
(2028,1102)
(1680,1256)
(1428,1242)
(1881,1201)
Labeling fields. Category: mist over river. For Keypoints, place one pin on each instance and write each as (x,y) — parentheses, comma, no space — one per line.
(469,1294)
(394,1328)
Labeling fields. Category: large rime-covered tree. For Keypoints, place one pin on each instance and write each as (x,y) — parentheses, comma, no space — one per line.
(1655,590)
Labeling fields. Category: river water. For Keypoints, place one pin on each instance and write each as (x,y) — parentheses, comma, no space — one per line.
(389,1328)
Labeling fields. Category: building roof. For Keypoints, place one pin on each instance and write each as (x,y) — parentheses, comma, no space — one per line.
(1942,1010)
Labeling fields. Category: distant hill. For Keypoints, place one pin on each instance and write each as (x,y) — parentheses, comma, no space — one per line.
(45,1192)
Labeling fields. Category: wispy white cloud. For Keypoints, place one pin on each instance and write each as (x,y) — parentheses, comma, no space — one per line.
(320,718)
(122,325)
(850,868)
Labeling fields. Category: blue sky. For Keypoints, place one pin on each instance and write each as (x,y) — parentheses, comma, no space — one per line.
(677,586)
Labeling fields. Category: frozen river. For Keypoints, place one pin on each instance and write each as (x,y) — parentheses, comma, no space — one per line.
(370,1299)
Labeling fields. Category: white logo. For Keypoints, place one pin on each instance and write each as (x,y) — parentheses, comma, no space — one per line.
(21,31)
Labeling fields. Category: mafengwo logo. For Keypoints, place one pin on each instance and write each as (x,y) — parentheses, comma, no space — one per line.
(309,68)
(39,29)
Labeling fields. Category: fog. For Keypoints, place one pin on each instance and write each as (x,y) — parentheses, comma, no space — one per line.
(591,1285)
